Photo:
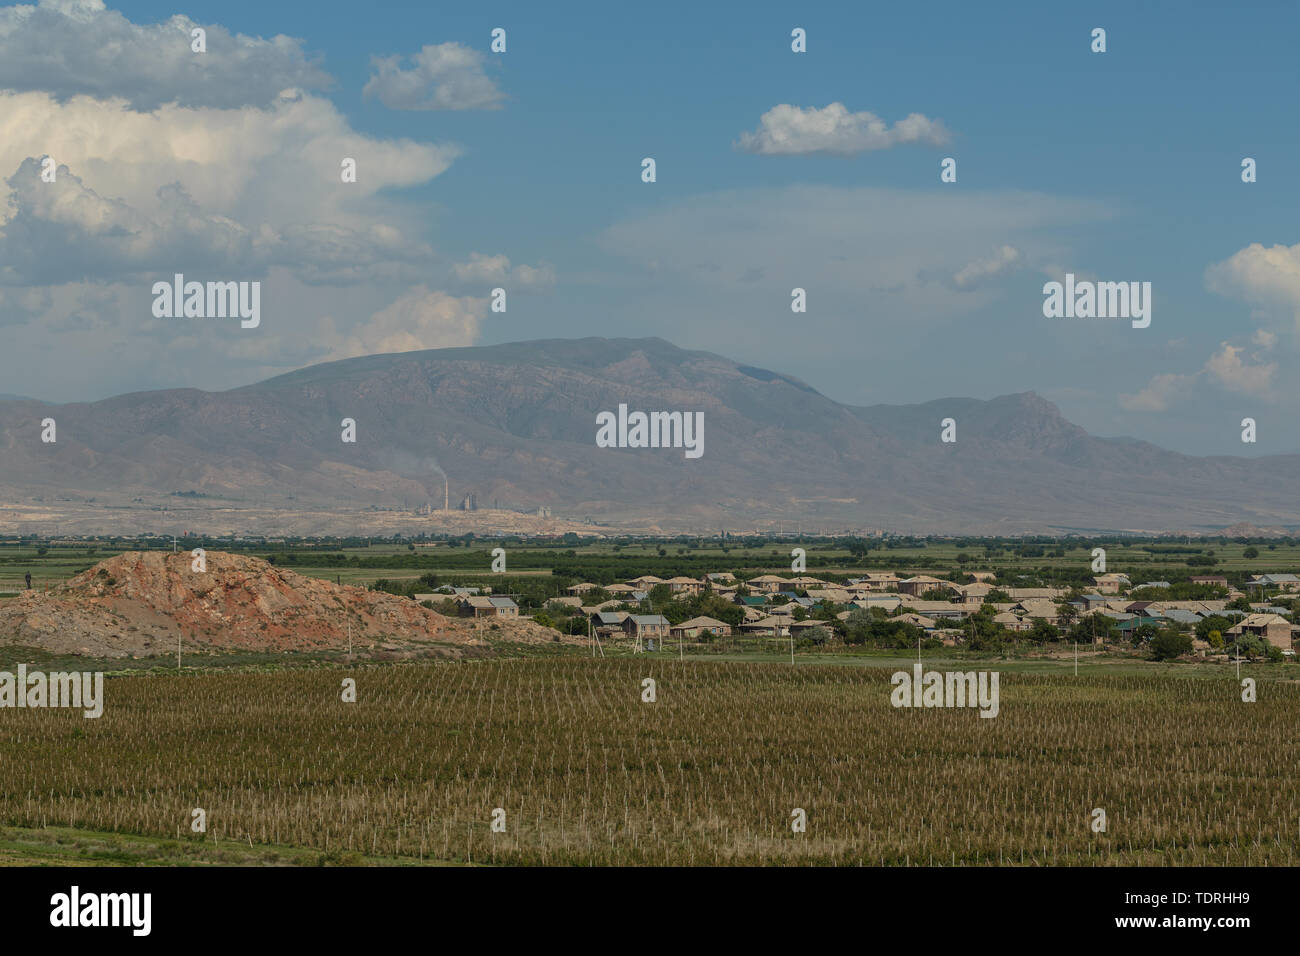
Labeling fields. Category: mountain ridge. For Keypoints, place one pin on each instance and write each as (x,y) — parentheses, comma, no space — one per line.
(515,423)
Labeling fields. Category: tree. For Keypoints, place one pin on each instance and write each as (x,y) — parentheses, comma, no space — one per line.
(1095,625)
(816,636)
(1250,553)
(1212,624)
(905,635)
(1042,632)
(858,547)
(1067,613)
(1167,644)
(576,624)
(1249,645)
(1143,633)
(982,632)
(704,604)
(875,626)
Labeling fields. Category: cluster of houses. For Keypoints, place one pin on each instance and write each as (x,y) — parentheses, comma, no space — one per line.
(474,602)
(769,603)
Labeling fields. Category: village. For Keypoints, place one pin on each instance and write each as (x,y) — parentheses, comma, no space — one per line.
(649,610)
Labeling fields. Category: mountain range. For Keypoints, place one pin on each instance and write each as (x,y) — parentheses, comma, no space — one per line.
(514,425)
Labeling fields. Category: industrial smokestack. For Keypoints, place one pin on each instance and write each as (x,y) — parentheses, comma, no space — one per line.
(446,487)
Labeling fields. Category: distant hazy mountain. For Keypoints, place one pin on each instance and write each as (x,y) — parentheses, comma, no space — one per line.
(516,424)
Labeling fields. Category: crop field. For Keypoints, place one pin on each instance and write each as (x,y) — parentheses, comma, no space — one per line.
(710,772)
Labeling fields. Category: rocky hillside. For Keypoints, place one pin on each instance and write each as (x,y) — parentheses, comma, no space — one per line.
(139,603)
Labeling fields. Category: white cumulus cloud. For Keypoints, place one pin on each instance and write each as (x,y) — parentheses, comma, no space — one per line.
(445,76)
(1160,393)
(1264,276)
(223,166)
(1243,376)
(72,47)
(483,269)
(1228,367)
(420,319)
(974,273)
(204,188)
(787,130)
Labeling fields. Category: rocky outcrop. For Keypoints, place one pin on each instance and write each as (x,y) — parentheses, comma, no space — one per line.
(141,603)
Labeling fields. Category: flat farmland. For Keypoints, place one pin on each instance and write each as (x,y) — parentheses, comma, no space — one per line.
(586,772)
(1014,561)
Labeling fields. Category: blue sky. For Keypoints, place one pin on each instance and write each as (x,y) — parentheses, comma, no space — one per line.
(1123,165)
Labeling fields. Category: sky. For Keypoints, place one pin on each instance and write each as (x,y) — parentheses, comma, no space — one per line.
(774,170)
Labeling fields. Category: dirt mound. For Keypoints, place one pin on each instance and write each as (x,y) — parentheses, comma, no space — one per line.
(139,603)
